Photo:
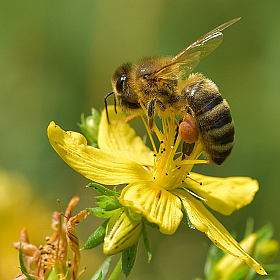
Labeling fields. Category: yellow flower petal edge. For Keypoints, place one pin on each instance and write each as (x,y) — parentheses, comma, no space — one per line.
(154,203)
(224,195)
(120,138)
(204,221)
(228,264)
(94,164)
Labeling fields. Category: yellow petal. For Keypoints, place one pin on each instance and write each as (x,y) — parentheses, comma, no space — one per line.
(204,221)
(154,203)
(224,195)
(228,264)
(120,138)
(94,164)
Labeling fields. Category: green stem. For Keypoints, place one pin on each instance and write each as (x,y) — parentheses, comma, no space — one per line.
(117,271)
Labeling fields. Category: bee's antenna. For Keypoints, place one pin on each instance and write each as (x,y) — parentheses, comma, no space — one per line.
(106,105)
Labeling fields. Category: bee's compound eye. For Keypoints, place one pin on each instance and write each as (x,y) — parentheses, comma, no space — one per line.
(120,84)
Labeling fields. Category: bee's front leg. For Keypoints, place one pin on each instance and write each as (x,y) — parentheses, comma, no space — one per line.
(151,113)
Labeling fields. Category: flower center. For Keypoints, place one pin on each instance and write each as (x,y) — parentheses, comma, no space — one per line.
(171,167)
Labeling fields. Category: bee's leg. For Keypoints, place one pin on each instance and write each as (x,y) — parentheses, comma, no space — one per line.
(187,149)
(151,113)
(131,117)
(177,131)
(151,124)
(188,110)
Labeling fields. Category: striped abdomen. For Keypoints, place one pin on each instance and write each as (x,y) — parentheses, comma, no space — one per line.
(212,114)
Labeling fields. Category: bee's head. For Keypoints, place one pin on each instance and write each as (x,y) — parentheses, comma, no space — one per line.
(124,89)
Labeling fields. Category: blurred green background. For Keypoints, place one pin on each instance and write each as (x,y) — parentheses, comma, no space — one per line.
(56,61)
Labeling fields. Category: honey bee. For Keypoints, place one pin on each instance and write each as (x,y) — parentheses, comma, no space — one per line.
(166,84)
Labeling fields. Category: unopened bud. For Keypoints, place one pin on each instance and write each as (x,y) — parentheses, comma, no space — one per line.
(90,126)
(122,232)
(268,250)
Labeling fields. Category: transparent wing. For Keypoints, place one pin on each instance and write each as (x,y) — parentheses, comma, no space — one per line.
(185,61)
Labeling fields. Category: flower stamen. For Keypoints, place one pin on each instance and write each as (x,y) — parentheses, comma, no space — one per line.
(167,157)
(195,195)
(192,161)
(149,133)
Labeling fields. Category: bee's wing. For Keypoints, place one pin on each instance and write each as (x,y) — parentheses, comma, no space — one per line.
(171,70)
(187,59)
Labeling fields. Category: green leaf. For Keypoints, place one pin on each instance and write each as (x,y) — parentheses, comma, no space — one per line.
(102,271)
(100,213)
(22,267)
(272,268)
(147,242)
(152,225)
(108,202)
(266,232)
(101,189)
(213,256)
(240,274)
(117,271)
(128,259)
(55,273)
(249,227)
(186,220)
(97,237)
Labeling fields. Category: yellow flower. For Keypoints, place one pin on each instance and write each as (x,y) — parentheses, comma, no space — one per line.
(159,184)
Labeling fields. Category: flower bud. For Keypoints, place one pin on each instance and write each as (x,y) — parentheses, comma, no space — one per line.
(90,126)
(268,250)
(122,232)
